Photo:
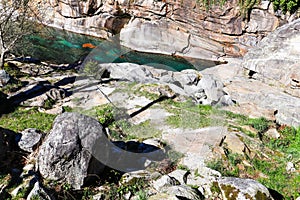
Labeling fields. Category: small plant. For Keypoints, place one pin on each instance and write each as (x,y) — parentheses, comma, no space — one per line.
(183,167)
(117,191)
(141,195)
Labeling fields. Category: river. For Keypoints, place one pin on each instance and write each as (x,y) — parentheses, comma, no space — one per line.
(58,46)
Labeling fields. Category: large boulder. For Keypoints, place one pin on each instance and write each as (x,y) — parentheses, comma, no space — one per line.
(66,154)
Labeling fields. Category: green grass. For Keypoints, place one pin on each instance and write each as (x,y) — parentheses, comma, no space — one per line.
(21,119)
(188,115)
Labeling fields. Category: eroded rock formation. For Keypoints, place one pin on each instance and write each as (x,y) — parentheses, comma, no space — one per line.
(169,27)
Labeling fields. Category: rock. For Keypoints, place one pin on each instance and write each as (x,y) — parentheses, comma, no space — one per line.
(38,192)
(237,188)
(170,188)
(34,69)
(56,94)
(187,77)
(205,89)
(261,21)
(65,155)
(164,181)
(275,59)
(290,167)
(129,71)
(184,192)
(257,99)
(45,99)
(131,178)
(160,37)
(196,144)
(272,133)
(213,89)
(30,139)
(4,78)
(179,175)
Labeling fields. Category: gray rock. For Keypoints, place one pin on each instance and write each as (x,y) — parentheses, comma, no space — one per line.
(56,94)
(65,154)
(184,192)
(240,189)
(30,139)
(275,60)
(196,145)
(261,21)
(165,181)
(212,88)
(258,99)
(187,77)
(38,192)
(179,174)
(4,78)
(131,178)
(129,71)
(272,133)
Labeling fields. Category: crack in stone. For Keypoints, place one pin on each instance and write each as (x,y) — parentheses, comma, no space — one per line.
(184,48)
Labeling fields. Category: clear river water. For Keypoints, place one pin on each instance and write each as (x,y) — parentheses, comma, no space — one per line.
(58,46)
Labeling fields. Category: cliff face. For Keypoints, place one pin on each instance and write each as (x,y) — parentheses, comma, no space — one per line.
(168,26)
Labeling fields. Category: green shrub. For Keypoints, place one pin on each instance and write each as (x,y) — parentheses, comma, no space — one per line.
(286,5)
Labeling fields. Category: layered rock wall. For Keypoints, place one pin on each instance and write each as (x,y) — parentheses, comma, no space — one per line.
(171,27)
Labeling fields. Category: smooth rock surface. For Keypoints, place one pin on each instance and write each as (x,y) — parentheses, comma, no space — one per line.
(275,60)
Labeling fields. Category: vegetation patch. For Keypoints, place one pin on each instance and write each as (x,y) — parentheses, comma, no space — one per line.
(188,115)
(268,166)
(21,119)
(247,5)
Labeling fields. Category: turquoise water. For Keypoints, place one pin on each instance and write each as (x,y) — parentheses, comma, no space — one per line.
(57,46)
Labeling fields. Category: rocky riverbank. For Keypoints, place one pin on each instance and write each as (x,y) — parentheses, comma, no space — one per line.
(128,131)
